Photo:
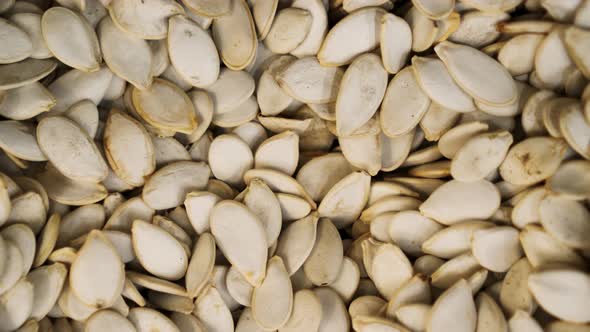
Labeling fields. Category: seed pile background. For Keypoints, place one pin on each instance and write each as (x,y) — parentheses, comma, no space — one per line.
(295,165)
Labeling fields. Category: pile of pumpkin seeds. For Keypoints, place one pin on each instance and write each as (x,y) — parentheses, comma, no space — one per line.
(295,165)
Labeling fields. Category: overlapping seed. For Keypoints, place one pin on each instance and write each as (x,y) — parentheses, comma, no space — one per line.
(305,165)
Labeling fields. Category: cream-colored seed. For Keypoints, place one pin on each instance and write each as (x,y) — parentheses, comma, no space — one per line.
(251,165)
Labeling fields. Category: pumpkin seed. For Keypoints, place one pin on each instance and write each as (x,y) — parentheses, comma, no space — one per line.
(71,39)
(455,300)
(20,45)
(146,319)
(212,311)
(108,320)
(551,287)
(396,42)
(404,104)
(501,92)
(263,13)
(136,68)
(17,305)
(308,81)
(266,310)
(235,36)
(312,43)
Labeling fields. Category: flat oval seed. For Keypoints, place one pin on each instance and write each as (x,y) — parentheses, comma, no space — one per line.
(357,33)
(97,274)
(145,20)
(47,239)
(266,206)
(455,302)
(569,179)
(200,267)
(272,300)
(312,43)
(437,83)
(279,152)
(21,73)
(404,104)
(231,90)
(489,314)
(440,206)
(150,242)
(235,36)
(264,13)
(248,253)
(496,248)
(18,139)
(135,158)
(308,81)
(76,85)
(108,320)
(414,316)
(192,52)
(146,319)
(456,137)
(26,102)
(532,160)
(518,54)
(297,241)
(543,249)
(575,131)
(18,44)
(70,149)
(230,158)
(387,279)
(470,164)
(187,323)
(289,29)
(435,9)
(47,283)
(71,39)
(212,311)
(409,230)
(135,64)
(325,259)
(313,179)
(454,240)
(306,314)
(238,287)
(167,187)
(491,84)
(17,304)
(564,293)
(165,106)
(566,220)
(346,199)
(552,60)
(396,42)
(361,91)
(334,315)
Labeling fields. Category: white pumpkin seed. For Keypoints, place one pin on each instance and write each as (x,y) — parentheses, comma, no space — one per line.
(552,59)
(470,165)
(312,43)
(362,88)
(344,202)
(396,42)
(71,39)
(235,36)
(289,29)
(565,220)
(297,241)
(562,292)
(455,302)
(200,267)
(20,45)
(26,102)
(17,304)
(308,81)
(97,275)
(253,239)
(263,13)
(212,311)
(272,300)
(136,65)
(171,266)
(241,158)
(404,104)
(459,57)
(543,249)
(334,315)
(108,320)
(146,319)
(532,160)
(144,20)
(496,248)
